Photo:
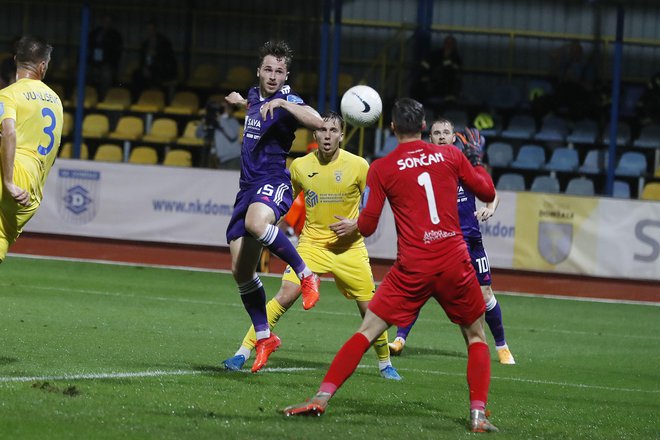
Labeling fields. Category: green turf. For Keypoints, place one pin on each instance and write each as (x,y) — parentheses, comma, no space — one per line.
(585,369)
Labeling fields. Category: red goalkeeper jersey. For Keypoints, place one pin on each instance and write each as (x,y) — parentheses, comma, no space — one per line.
(419,180)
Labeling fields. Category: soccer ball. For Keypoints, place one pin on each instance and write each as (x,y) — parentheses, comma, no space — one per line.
(361,106)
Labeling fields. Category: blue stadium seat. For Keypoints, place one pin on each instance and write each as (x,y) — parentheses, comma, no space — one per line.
(631,163)
(545,184)
(530,157)
(499,154)
(584,132)
(580,186)
(520,127)
(595,162)
(511,182)
(621,189)
(563,159)
(649,137)
(495,130)
(622,135)
(553,129)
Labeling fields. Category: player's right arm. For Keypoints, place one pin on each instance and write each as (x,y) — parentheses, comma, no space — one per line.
(375,200)
(7,156)
(476,179)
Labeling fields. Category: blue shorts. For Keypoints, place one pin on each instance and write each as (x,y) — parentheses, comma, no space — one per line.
(479,260)
(275,193)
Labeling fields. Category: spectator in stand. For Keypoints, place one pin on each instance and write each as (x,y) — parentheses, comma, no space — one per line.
(648,107)
(104,54)
(220,130)
(158,63)
(440,78)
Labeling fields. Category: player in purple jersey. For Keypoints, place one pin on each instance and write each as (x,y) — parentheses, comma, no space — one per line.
(442,132)
(274,113)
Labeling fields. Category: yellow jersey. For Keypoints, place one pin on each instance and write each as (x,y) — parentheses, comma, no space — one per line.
(38,113)
(330,189)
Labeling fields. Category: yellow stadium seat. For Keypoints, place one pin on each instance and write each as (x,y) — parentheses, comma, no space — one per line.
(117,98)
(66,151)
(150,101)
(651,191)
(95,126)
(109,153)
(178,158)
(183,103)
(163,131)
(303,137)
(67,124)
(204,76)
(143,155)
(657,172)
(188,138)
(130,128)
(239,78)
(91,97)
(59,90)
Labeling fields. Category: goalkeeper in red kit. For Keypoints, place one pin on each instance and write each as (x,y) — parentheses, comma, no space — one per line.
(419,180)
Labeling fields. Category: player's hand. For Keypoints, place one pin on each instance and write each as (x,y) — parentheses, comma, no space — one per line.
(473,144)
(484,213)
(235,98)
(345,226)
(21,196)
(269,108)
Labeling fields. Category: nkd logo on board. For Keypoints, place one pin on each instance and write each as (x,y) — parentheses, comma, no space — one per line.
(78,193)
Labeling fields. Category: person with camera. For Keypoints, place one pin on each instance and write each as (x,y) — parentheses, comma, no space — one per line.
(220,132)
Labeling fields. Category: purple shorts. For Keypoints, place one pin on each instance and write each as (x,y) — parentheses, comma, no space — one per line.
(275,193)
(479,260)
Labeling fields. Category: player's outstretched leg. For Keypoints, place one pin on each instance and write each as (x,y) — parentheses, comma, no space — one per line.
(311,407)
(309,286)
(234,363)
(480,423)
(264,348)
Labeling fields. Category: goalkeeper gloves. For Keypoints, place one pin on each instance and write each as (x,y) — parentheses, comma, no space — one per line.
(472,144)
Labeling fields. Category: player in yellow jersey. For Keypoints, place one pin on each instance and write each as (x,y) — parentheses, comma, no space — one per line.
(31,118)
(333,181)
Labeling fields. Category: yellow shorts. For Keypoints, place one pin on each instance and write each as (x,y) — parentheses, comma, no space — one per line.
(350,268)
(12,215)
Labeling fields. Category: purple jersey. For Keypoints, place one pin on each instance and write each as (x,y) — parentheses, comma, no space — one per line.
(266,143)
(466,209)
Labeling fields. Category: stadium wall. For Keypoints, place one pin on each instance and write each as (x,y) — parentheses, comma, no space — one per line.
(599,237)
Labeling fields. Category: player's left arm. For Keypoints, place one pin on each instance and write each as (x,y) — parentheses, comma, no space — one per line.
(304,114)
(486,212)
(7,157)
(375,196)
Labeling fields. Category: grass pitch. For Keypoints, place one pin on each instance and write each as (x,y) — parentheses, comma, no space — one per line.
(104,352)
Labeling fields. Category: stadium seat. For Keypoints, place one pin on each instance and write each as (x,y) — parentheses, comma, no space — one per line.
(580,186)
(649,137)
(239,78)
(584,132)
(67,124)
(163,131)
(511,182)
(303,137)
(545,184)
(457,117)
(594,162)
(178,158)
(563,159)
(631,163)
(204,76)
(117,99)
(530,157)
(91,98)
(520,127)
(66,151)
(130,128)
(59,90)
(622,135)
(651,191)
(183,103)
(499,154)
(143,155)
(95,126)
(109,153)
(553,129)
(493,131)
(150,101)
(505,97)
(621,189)
(189,138)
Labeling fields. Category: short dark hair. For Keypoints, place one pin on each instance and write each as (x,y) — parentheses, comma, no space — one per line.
(333,116)
(443,121)
(278,49)
(32,50)
(408,116)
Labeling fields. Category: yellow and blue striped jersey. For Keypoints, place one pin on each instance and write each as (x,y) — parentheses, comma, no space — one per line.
(330,189)
(38,113)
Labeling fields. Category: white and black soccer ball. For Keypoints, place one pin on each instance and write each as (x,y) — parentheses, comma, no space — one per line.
(361,106)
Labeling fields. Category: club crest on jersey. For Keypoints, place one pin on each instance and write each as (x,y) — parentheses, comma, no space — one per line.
(555,241)
(295,99)
(338,175)
(79,195)
(311,198)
